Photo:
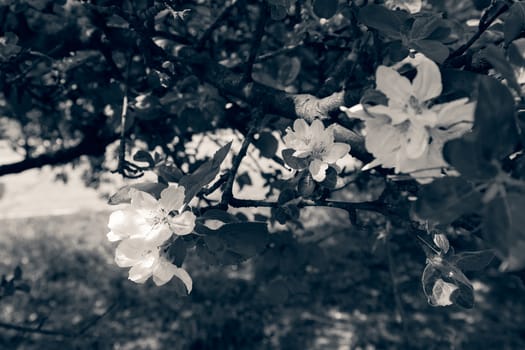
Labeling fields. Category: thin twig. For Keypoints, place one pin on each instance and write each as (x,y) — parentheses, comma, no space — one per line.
(256,41)
(35,330)
(483,26)
(222,16)
(122,146)
(60,333)
(227,195)
(348,206)
(282,51)
(95,320)
(401,316)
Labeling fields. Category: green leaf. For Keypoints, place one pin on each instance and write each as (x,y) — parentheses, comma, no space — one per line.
(204,174)
(330,182)
(123,195)
(494,125)
(503,223)
(459,82)
(177,251)
(143,156)
(467,157)
(515,22)
(384,20)
(294,162)
(496,57)
(246,238)
(433,49)
(169,172)
(425,26)
(217,214)
(446,199)
(267,144)
(233,243)
(286,195)
(289,69)
(516,52)
(306,185)
(325,8)
(463,296)
(473,261)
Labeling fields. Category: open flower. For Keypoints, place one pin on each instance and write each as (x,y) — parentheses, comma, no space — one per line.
(150,219)
(316,143)
(144,258)
(409,133)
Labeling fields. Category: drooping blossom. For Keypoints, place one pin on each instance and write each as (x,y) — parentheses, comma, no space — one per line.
(408,134)
(441,293)
(143,229)
(315,143)
(145,260)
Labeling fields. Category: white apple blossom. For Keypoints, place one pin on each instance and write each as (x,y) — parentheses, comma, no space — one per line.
(408,134)
(144,258)
(143,228)
(150,219)
(316,143)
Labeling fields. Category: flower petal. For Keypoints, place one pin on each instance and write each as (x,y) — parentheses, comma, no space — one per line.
(183,275)
(144,203)
(300,127)
(163,272)
(317,128)
(140,272)
(356,111)
(383,141)
(131,251)
(182,224)
(441,292)
(455,112)
(125,223)
(396,87)
(172,198)
(416,142)
(318,170)
(427,83)
(337,151)
(396,115)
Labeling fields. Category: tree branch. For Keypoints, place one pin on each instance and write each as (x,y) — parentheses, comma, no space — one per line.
(274,101)
(374,206)
(222,16)
(483,26)
(257,38)
(88,146)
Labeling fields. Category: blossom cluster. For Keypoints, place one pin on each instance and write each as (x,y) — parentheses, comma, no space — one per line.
(144,228)
(409,132)
(316,144)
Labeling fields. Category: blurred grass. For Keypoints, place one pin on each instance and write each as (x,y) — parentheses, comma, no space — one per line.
(347,305)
